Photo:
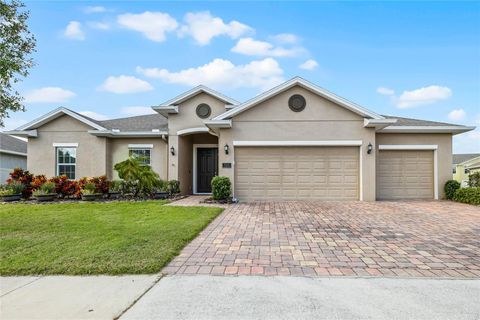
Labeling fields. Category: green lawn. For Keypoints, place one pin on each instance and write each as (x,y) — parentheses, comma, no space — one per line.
(96,238)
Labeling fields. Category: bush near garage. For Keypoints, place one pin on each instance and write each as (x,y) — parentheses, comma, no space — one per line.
(450,187)
(221,188)
(468,195)
(474,180)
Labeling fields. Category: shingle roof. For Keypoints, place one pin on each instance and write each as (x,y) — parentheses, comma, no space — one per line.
(137,123)
(459,158)
(10,143)
(417,122)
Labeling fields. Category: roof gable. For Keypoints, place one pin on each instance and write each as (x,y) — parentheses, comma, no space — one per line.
(297,81)
(54,114)
(197,90)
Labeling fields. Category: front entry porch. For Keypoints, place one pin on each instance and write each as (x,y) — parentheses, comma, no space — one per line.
(197,162)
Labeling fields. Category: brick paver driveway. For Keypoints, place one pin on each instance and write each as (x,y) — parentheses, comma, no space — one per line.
(412,239)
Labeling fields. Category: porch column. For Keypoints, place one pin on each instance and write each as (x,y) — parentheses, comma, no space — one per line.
(173,159)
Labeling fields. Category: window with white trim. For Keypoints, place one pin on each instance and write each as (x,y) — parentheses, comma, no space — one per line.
(66,158)
(142,154)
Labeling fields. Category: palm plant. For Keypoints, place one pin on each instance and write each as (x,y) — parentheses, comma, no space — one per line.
(141,178)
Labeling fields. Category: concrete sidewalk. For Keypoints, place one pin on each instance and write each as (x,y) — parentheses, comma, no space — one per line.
(70,297)
(250,297)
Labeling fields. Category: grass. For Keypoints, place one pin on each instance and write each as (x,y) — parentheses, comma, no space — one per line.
(96,238)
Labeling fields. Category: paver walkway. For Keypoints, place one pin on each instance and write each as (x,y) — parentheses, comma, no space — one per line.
(195,201)
(408,239)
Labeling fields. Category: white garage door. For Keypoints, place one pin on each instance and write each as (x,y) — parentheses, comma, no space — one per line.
(405,174)
(296,173)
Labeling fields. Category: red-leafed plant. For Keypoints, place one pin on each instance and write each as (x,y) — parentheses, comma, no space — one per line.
(38,181)
(65,187)
(25,178)
(101,183)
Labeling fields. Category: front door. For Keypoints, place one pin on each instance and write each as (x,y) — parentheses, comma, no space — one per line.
(207,162)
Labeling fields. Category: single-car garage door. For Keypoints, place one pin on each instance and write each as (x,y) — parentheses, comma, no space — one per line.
(405,174)
(294,173)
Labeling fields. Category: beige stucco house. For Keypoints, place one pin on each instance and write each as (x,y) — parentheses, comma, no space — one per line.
(295,141)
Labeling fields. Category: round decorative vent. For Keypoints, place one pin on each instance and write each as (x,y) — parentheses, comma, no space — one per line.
(297,103)
(203,110)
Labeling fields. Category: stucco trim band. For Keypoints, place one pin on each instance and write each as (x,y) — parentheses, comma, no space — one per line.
(65,144)
(346,143)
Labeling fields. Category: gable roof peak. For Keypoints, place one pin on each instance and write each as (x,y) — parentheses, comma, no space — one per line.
(307,85)
(196,90)
(57,113)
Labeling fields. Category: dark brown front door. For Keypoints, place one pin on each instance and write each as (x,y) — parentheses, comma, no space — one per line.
(207,163)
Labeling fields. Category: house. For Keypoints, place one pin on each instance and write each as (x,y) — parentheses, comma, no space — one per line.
(13,154)
(295,141)
(464,165)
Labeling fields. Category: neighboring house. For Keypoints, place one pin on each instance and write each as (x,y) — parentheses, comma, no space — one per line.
(464,165)
(13,154)
(295,141)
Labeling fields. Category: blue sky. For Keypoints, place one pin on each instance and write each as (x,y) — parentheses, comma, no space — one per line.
(114,59)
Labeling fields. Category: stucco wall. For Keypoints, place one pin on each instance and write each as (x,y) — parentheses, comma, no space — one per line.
(180,165)
(91,151)
(444,151)
(8,162)
(118,151)
(321,120)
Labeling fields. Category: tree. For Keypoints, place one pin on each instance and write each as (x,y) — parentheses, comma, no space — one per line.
(16,45)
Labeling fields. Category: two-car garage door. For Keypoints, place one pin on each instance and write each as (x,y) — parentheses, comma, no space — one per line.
(296,173)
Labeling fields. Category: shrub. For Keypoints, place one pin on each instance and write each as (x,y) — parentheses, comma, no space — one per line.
(450,187)
(89,188)
(161,186)
(468,195)
(174,186)
(46,188)
(25,178)
(474,180)
(101,184)
(65,187)
(115,186)
(221,188)
(138,178)
(38,181)
(16,187)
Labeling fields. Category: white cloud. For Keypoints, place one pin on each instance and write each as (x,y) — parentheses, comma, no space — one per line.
(286,38)
(252,47)
(423,96)
(309,65)
(385,91)
(95,9)
(467,142)
(136,111)
(74,31)
(457,115)
(153,25)
(48,95)
(125,84)
(12,123)
(98,25)
(94,115)
(262,74)
(203,27)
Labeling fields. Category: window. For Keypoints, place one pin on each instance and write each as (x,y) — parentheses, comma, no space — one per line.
(66,161)
(143,155)
(297,103)
(203,110)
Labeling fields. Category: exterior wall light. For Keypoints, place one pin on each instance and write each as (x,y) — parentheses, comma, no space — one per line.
(226,148)
(172,151)
(370,148)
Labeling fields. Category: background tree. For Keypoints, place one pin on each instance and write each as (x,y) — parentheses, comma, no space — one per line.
(16,44)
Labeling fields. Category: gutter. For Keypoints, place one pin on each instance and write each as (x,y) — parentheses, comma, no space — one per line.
(128,134)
